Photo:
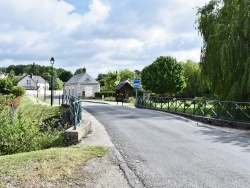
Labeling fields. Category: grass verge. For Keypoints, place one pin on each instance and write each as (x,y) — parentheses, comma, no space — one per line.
(38,168)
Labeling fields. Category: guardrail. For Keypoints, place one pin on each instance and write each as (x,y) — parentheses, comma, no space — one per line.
(75,107)
(227,110)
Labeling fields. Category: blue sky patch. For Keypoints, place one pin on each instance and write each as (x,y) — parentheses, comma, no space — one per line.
(80,5)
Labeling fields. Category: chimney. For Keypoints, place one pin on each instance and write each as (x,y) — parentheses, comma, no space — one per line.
(84,70)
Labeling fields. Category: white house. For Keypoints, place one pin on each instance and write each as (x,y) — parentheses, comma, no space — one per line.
(32,82)
(4,75)
(81,86)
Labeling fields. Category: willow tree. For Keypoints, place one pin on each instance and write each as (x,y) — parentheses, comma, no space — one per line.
(225,55)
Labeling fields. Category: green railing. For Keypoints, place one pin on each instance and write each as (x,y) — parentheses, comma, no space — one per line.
(75,106)
(228,110)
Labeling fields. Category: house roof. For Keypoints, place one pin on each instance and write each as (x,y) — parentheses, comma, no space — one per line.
(82,78)
(121,84)
(4,75)
(38,79)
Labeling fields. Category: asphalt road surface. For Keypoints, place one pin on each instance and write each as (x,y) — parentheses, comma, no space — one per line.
(165,150)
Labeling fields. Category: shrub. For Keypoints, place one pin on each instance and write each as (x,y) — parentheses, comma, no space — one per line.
(26,131)
(5,85)
(139,92)
(18,91)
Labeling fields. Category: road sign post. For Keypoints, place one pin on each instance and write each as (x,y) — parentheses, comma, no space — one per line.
(137,83)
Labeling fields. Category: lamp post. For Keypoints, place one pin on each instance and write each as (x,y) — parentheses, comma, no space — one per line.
(44,90)
(37,88)
(52,60)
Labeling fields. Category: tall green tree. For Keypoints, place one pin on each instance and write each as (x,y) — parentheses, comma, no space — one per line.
(110,81)
(12,78)
(225,56)
(100,79)
(164,75)
(195,84)
(65,76)
(127,74)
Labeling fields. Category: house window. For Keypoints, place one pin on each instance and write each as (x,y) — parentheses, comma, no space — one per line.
(27,82)
(69,91)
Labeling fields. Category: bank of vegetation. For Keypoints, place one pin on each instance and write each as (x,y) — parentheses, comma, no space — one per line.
(25,126)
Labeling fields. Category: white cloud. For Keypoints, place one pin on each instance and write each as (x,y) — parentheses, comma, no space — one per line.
(111,35)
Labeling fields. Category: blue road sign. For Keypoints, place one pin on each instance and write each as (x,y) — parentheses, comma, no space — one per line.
(137,83)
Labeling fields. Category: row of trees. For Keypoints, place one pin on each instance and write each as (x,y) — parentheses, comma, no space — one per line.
(164,76)
(43,71)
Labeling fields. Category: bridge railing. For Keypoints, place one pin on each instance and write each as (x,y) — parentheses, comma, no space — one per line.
(75,107)
(228,110)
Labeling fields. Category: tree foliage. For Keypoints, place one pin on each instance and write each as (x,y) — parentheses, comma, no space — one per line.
(195,84)
(225,56)
(5,85)
(36,70)
(164,75)
(58,85)
(80,70)
(127,74)
(65,76)
(110,81)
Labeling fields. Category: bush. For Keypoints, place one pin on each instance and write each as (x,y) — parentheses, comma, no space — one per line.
(139,92)
(5,85)
(18,91)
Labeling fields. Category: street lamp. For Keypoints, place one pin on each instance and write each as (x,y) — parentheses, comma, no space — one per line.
(52,60)
(37,88)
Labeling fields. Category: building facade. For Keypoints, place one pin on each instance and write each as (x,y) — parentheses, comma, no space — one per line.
(32,82)
(81,86)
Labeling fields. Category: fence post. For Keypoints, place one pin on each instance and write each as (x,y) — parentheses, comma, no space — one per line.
(184,106)
(175,108)
(234,109)
(194,107)
(204,102)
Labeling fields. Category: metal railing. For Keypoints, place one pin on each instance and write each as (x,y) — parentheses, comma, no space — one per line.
(228,110)
(75,107)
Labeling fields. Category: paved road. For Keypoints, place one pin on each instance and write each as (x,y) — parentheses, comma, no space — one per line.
(164,150)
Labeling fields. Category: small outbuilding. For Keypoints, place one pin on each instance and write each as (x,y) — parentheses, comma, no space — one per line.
(123,91)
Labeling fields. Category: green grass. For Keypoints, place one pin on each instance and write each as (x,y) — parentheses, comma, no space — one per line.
(38,113)
(32,168)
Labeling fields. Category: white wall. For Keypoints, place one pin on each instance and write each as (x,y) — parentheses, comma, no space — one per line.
(76,90)
(30,84)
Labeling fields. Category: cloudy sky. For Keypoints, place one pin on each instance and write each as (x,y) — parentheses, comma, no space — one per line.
(101,35)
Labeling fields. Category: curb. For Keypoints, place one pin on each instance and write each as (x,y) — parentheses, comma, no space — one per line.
(74,136)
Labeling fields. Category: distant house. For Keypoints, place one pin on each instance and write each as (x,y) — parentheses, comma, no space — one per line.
(81,86)
(124,90)
(4,75)
(32,82)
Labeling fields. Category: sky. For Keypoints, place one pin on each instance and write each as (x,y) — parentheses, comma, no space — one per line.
(100,35)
